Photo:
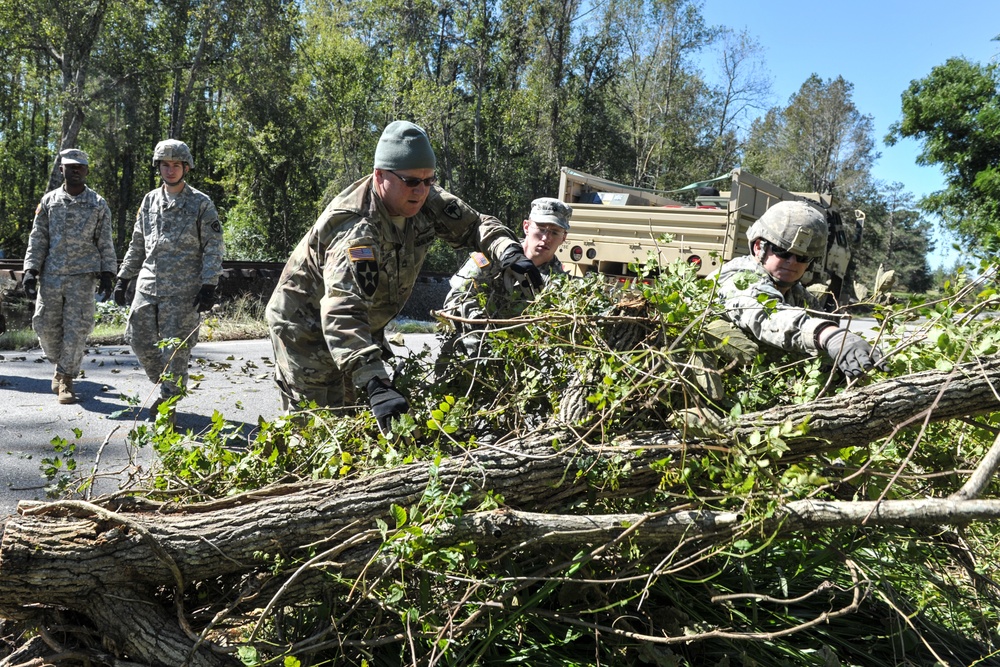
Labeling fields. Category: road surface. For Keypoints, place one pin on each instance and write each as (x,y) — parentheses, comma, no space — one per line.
(233,378)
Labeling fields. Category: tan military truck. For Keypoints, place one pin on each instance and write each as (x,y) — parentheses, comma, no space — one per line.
(615,226)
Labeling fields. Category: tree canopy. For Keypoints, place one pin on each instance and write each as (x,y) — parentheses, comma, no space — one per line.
(955,113)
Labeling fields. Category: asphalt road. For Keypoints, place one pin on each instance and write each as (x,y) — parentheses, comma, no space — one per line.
(233,378)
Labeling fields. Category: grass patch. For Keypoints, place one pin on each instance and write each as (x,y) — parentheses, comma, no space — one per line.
(241,318)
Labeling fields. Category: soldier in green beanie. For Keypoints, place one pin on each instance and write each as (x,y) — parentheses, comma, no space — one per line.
(353,271)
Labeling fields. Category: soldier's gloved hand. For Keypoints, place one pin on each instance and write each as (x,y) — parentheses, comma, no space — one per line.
(853,355)
(106,286)
(386,403)
(513,258)
(205,298)
(121,287)
(30,283)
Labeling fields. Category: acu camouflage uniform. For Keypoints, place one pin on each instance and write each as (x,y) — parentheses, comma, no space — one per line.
(482,290)
(791,327)
(349,277)
(176,248)
(70,246)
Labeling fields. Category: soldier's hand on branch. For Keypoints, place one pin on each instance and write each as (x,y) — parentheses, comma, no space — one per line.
(106,286)
(30,283)
(121,287)
(205,298)
(513,258)
(386,403)
(852,354)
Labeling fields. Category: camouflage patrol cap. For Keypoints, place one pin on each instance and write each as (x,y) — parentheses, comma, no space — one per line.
(73,156)
(173,149)
(793,225)
(549,210)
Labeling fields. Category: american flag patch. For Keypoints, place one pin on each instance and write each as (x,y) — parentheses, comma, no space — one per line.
(480,260)
(361,253)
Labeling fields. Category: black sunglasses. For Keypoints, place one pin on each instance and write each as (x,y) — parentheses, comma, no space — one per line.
(412,181)
(785,254)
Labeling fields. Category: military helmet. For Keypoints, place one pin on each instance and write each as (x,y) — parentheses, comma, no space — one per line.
(792,225)
(172,149)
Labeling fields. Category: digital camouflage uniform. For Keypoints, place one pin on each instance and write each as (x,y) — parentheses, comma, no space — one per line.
(176,248)
(482,290)
(69,247)
(790,326)
(349,277)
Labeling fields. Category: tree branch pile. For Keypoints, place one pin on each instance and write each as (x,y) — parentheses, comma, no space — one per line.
(129,569)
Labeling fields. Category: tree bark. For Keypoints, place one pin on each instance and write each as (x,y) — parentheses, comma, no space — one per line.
(111,563)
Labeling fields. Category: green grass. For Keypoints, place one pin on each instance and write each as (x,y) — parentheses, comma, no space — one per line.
(241,318)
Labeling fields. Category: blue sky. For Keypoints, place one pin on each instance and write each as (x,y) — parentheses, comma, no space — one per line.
(879,46)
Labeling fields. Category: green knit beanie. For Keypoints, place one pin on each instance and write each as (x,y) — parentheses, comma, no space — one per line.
(402,146)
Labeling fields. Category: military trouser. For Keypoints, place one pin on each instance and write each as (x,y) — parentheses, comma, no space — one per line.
(152,319)
(64,317)
(306,372)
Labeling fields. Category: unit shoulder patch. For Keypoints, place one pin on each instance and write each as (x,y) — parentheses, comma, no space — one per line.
(365,268)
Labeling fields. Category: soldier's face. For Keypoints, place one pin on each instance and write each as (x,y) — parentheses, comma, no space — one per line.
(541,241)
(75,175)
(788,270)
(173,171)
(398,197)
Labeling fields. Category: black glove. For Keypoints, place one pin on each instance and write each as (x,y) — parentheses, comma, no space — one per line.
(205,298)
(30,283)
(121,287)
(105,288)
(513,258)
(386,403)
(852,353)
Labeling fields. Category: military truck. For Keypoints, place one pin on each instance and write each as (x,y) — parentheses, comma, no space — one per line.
(615,227)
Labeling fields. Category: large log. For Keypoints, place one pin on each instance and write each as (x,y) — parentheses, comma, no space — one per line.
(108,562)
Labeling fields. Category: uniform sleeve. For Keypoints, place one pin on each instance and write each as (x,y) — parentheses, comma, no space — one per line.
(38,240)
(213,247)
(349,263)
(461,226)
(463,299)
(104,241)
(756,306)
(136,253)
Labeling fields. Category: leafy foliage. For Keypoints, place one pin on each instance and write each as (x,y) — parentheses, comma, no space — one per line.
(955,112)
(648,356)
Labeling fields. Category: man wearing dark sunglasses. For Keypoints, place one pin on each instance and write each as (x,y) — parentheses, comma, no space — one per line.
(353,271)
(764,297)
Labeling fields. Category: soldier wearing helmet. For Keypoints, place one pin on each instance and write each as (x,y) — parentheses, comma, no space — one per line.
(783,243)
(175,260)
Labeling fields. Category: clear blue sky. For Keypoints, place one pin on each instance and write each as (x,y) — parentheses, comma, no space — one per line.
(879,46)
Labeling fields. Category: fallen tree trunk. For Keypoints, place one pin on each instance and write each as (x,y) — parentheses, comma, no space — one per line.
(109,563)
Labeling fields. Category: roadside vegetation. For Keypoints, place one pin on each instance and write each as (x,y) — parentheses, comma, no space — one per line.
(594,368)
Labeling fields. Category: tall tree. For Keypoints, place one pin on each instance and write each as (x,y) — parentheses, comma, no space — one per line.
(67,35)
(743,91)
(820,142)
(955,113)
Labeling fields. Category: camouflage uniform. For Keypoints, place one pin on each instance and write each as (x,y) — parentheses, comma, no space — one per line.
(69,247)
(790,327)
(349,277)
(176,248)
(481,290)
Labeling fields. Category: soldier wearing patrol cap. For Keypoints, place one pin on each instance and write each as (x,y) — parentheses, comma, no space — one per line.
(175,259)
(482,289)
(783,242)
(353,271)
(70,254)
